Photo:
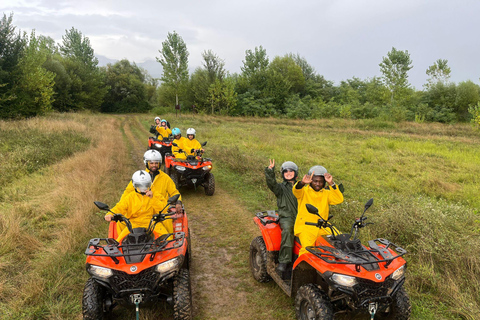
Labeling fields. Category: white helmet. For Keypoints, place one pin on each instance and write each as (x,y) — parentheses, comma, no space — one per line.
(152,155)
(317,171)
(157,118)
(142,181)
(191,131)
(289,165)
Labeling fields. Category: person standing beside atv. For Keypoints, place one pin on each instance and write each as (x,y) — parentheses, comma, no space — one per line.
(180,144)
(287,207)
(140,206)
(163,130)
(311,189)
(162,183)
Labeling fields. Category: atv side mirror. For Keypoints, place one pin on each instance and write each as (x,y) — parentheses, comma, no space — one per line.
(312,209)
(204,144)
(368,204)
(102,206)
(173,199)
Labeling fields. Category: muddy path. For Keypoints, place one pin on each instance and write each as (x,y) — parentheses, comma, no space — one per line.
(221,231)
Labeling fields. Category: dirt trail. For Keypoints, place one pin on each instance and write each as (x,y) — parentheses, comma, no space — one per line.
(217,290)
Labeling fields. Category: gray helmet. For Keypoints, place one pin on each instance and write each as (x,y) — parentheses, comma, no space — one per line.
(317,171)
(289,165)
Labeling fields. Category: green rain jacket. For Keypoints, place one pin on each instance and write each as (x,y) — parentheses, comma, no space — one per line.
(286,201)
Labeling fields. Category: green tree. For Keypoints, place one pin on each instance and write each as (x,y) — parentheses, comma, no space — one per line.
(12,46)
(214,66)
(222,95)
(174,60)
(438,72)
(468,95)
(255,62)
(395,69)
(87,87)
(33,85)
(127,88)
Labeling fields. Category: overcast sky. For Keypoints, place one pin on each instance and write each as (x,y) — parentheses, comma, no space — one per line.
(341,39)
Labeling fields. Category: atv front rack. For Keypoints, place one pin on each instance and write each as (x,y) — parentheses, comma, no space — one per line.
(114,250)
(362,257)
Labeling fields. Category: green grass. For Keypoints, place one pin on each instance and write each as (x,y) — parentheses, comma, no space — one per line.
(424,180)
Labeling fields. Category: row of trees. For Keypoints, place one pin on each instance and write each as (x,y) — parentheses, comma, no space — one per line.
(37,75)
(289,86)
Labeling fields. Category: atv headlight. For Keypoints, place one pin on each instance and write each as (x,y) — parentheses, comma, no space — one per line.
(343,280)
(167,266)
(180,168)
(158,145)
(100,272)
(398,273)
(207,168)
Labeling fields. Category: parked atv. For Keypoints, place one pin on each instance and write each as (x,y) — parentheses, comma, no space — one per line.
(140,269)
(161,144)
(194,171)
(338,274)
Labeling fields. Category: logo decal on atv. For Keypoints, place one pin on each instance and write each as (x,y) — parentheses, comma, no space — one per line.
(378,276)
(133,268)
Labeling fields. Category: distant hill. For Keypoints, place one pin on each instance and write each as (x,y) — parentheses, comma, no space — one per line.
(153,67)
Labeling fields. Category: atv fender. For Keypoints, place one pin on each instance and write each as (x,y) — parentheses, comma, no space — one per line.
(271,233)
(304,273)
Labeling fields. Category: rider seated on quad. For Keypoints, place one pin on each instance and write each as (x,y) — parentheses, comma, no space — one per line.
(287,207)
(163,130)
(162,184)
(180,148)
(191,145)
(311,189)
(140,206)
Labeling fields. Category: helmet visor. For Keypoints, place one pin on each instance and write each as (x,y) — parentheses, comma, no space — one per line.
(142,186)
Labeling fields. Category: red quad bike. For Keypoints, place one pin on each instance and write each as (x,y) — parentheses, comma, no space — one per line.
(142,269)
(161,144)
(338,274)
(194,171)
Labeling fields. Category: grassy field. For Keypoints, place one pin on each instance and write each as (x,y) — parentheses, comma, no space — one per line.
(424,179)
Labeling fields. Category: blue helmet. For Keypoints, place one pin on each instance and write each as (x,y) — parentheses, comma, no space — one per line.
(176,131)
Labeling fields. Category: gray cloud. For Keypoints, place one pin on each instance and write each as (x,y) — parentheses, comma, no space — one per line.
(340,39)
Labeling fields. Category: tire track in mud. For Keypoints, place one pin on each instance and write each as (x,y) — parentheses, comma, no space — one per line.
(221,285)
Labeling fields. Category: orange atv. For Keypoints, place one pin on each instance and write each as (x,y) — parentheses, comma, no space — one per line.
(140,269)
(161,144)
(337,275)
(194,171)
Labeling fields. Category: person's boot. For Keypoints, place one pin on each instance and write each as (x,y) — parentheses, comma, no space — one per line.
(282,267)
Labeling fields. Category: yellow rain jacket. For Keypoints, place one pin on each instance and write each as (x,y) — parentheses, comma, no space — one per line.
(163,185)
(321,199)
(180,145)
(164,133)
(191,144)
(139,209)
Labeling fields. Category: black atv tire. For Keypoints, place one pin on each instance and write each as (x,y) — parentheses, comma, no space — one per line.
(174,175)
(209,184)
(258,260)
(182,296)
(93,301)
(400,309)
(312,303)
